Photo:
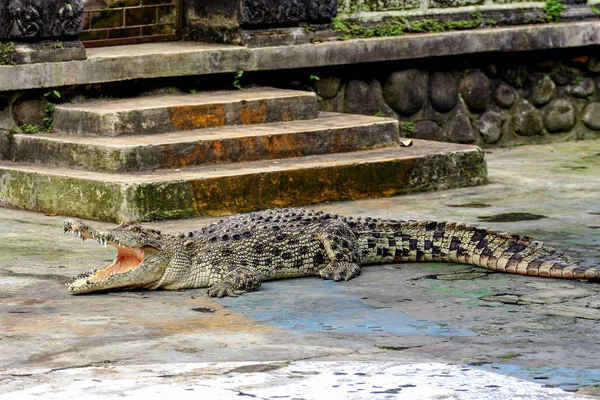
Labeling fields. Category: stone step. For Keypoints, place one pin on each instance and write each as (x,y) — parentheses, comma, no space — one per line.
(168,113)
(330,133)
(245,186)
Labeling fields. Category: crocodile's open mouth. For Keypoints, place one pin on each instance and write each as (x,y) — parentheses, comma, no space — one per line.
(139,261)
(127,259)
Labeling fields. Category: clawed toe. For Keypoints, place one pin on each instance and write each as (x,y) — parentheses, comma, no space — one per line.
(340,270)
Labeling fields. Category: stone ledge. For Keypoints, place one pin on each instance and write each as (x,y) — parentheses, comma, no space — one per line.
(240,187)
(190,58)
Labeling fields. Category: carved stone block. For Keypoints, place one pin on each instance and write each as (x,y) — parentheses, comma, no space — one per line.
(40,19)
(286,12)
(233,21)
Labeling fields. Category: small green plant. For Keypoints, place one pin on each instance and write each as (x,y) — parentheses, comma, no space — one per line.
(594,9)
(491,22)
(193,91)
(553,10)
(339,25)
(237,77)
(6,51)
(378,114)
(314,78)
(408,128)
(28,128)
(48,119)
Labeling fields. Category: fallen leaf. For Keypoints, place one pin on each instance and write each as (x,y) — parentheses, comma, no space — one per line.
(51,215)
(406,143)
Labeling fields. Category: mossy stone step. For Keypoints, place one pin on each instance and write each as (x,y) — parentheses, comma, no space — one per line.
(330,133)
(169,113)
(239,187)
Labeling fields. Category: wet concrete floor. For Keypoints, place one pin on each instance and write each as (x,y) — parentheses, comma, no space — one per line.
(402,331)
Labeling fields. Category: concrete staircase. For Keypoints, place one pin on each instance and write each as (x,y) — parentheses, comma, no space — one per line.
(177,156)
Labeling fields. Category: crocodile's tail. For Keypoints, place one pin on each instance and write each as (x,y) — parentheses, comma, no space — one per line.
(402,241)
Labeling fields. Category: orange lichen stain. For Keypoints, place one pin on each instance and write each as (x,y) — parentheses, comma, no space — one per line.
(221,319)
(581,59)
(253,113)
(287,116)
(175,159)
(284,146)
(198,116)
(32,302)
(341,143)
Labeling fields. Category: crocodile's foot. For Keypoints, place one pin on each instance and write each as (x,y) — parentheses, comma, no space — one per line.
(340,270)
(223,289)
(237,281)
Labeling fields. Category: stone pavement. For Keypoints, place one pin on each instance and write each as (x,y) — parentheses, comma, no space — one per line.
(405,331)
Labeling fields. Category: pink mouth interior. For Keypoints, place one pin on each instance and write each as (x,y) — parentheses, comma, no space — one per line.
(126,260)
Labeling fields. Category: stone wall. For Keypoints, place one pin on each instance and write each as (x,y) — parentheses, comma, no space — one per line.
(129,21)
(485,100)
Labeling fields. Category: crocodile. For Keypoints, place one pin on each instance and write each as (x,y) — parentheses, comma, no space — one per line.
(233,256)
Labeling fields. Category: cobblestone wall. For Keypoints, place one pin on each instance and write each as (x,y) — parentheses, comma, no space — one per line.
(488,103)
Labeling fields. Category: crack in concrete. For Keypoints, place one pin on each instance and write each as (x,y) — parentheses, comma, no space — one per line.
(44,277)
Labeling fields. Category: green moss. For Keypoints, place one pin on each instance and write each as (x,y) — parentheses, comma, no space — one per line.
(554,9)
(6,51)
(509,356)
(399,25)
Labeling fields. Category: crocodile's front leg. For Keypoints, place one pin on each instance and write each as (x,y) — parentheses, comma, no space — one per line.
(233,281)
(341,249)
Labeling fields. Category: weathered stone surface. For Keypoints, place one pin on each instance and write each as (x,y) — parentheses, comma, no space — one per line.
(542,91)
(428,130)
(23,19)
(591,116)
(490,126)
(505,96)
(515,75)
(474,89)
(336,104)
(559,116)
(564,75)
(119,64)
(405,91)
(459,130)
(48,52)
(328,134)
(443,90)
(5,145)
(29,111)
(328,87)
(167,113)
(594,64)
(359,98)
(525,119)
(582,89)
(219,189)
